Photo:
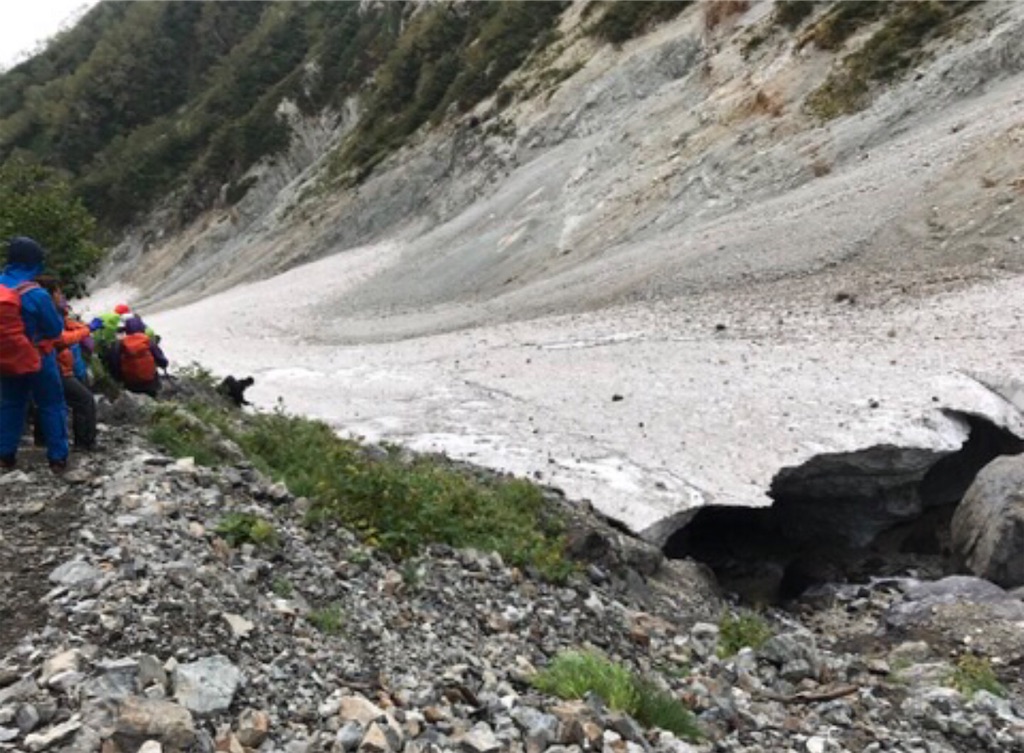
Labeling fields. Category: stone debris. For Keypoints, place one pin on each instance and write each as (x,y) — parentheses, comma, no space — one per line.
(158,636)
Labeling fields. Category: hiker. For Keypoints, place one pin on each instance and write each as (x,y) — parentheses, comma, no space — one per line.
(77,395)
(29,322)
(104,331)
(134,359)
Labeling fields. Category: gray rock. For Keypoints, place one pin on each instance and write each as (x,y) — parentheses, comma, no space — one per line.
(795,653)
(988,526)
(480,739)
(349,736)
(539,729)
(206,686)
(27,718)
(704,639)
(75,573)
(922,598)
(53,736)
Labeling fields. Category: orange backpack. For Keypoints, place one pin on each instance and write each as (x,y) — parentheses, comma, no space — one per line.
(137,363)
(18,354)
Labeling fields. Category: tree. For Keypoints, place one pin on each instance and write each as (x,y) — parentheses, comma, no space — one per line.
(36,202)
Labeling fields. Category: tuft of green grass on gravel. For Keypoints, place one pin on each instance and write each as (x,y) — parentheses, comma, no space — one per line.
(974,673)
(245,528)
(574,674)
(736,632)
(329,619)
(181,433)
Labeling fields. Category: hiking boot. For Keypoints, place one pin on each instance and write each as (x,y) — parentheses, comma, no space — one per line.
(7,463)
(59,466)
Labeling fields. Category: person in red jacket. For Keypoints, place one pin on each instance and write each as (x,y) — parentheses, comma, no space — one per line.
(135,358)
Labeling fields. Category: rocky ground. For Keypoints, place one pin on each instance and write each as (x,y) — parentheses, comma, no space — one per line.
(130,625)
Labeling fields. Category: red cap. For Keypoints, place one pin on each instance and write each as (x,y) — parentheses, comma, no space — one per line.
(122,309)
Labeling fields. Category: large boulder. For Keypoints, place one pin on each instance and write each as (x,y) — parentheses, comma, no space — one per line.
(988,526)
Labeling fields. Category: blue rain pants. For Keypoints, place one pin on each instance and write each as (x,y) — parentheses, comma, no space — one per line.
(46,389)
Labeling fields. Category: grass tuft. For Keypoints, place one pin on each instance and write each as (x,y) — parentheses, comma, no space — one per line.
(574,674)
(244,528)
(182,434)
(974,673)
(329,619)
(746,630)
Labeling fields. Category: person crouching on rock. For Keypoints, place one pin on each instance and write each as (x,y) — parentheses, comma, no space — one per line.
(29,322)
(135,358)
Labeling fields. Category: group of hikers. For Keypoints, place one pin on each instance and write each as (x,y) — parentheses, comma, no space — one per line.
(50,357)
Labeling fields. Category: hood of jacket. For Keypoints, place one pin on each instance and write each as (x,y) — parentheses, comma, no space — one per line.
(19,273)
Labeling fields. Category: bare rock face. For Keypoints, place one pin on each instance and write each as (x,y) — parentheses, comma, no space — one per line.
(988,527)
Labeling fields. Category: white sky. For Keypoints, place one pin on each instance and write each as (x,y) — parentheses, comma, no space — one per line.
(26,23)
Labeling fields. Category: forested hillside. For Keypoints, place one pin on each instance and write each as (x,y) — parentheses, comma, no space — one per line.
(140,100)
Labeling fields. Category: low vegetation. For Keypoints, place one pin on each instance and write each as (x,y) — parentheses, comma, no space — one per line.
(574,674)
(621,21)
(329,619)
(792,13)
(394,502)
(245,528)
(891,51)
(842,21)
(746,630)
(973,673)
(182,434)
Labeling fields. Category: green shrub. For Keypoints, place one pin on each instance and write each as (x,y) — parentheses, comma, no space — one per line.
(395,504)
(844,19)
(196,372)
(746,630)
(884,57)
(329,619)
(245,528)
(573,674)
(622,21)
(792,13)
(974,673)
(182,435)
(282,587)
(402,506)
(35,201)
(658,708)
